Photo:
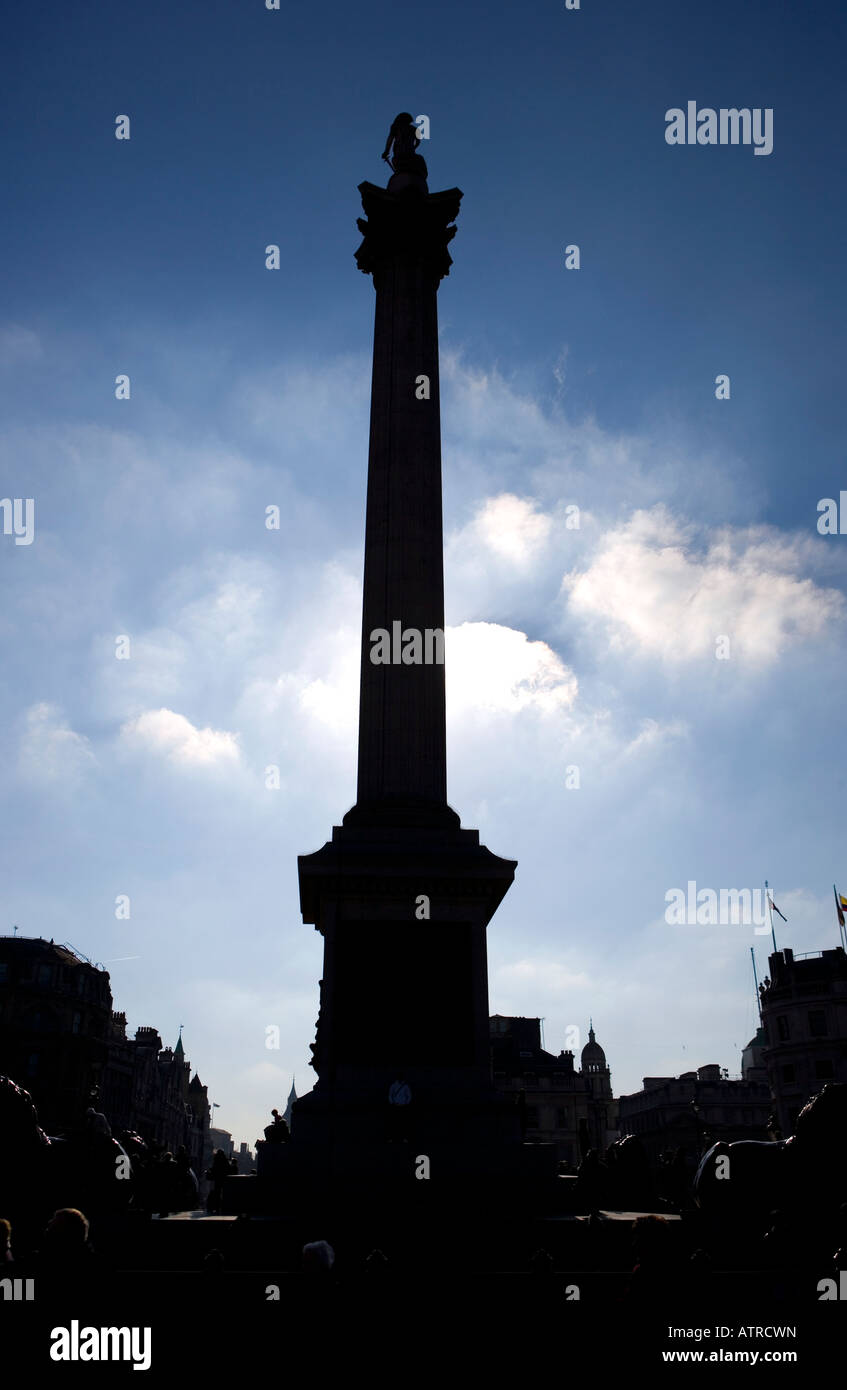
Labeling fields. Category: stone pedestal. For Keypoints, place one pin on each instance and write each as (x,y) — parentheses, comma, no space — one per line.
(404,994)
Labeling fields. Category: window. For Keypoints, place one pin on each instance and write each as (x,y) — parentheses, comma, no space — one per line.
(817,1023)
(32,1064)
(532,1117)
(782,1029)
(77,1021)
(561,1118)
(4,972)
(823,1071)
(45,974)
(788,1075)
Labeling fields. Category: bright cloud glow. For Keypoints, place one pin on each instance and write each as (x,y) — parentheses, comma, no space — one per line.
(658,593)
(164,731)
(512,528)
(496,668)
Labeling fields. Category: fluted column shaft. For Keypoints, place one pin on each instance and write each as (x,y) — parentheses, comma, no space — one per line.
(402,723)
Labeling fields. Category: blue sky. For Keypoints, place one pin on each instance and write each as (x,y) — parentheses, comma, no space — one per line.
(596,388)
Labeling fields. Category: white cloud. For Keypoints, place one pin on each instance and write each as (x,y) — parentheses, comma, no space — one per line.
(306,678)
(332,703)
(50,749)
(660,594)
(511,527)
(165,731)
(500,434)
(653,735)
(166,541)
(490,667)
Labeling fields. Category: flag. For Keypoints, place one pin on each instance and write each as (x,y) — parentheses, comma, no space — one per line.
(776,909)
(840,904)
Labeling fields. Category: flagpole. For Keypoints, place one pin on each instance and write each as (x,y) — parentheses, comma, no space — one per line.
(842,934)
(770,915)
(756,984)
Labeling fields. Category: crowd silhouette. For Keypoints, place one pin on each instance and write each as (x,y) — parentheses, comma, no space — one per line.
(628,1231)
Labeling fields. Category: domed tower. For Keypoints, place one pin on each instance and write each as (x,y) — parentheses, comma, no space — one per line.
(594,1068)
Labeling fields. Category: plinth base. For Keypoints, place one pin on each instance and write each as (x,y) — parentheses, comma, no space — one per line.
(383,1184)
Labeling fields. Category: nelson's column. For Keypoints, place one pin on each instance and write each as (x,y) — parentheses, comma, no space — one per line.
(401,894)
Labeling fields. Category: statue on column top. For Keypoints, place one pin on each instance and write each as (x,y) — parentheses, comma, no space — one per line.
(404,160)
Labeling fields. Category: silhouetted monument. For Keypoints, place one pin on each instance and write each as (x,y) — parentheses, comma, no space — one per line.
(404,160)
(401,893)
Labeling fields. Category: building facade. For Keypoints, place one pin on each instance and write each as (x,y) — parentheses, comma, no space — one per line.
(571,1108)
(694,1110)
(245,1160)
(804,1018)
(55,1027)
(222,1139)
(148,1089)
(61,1039)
